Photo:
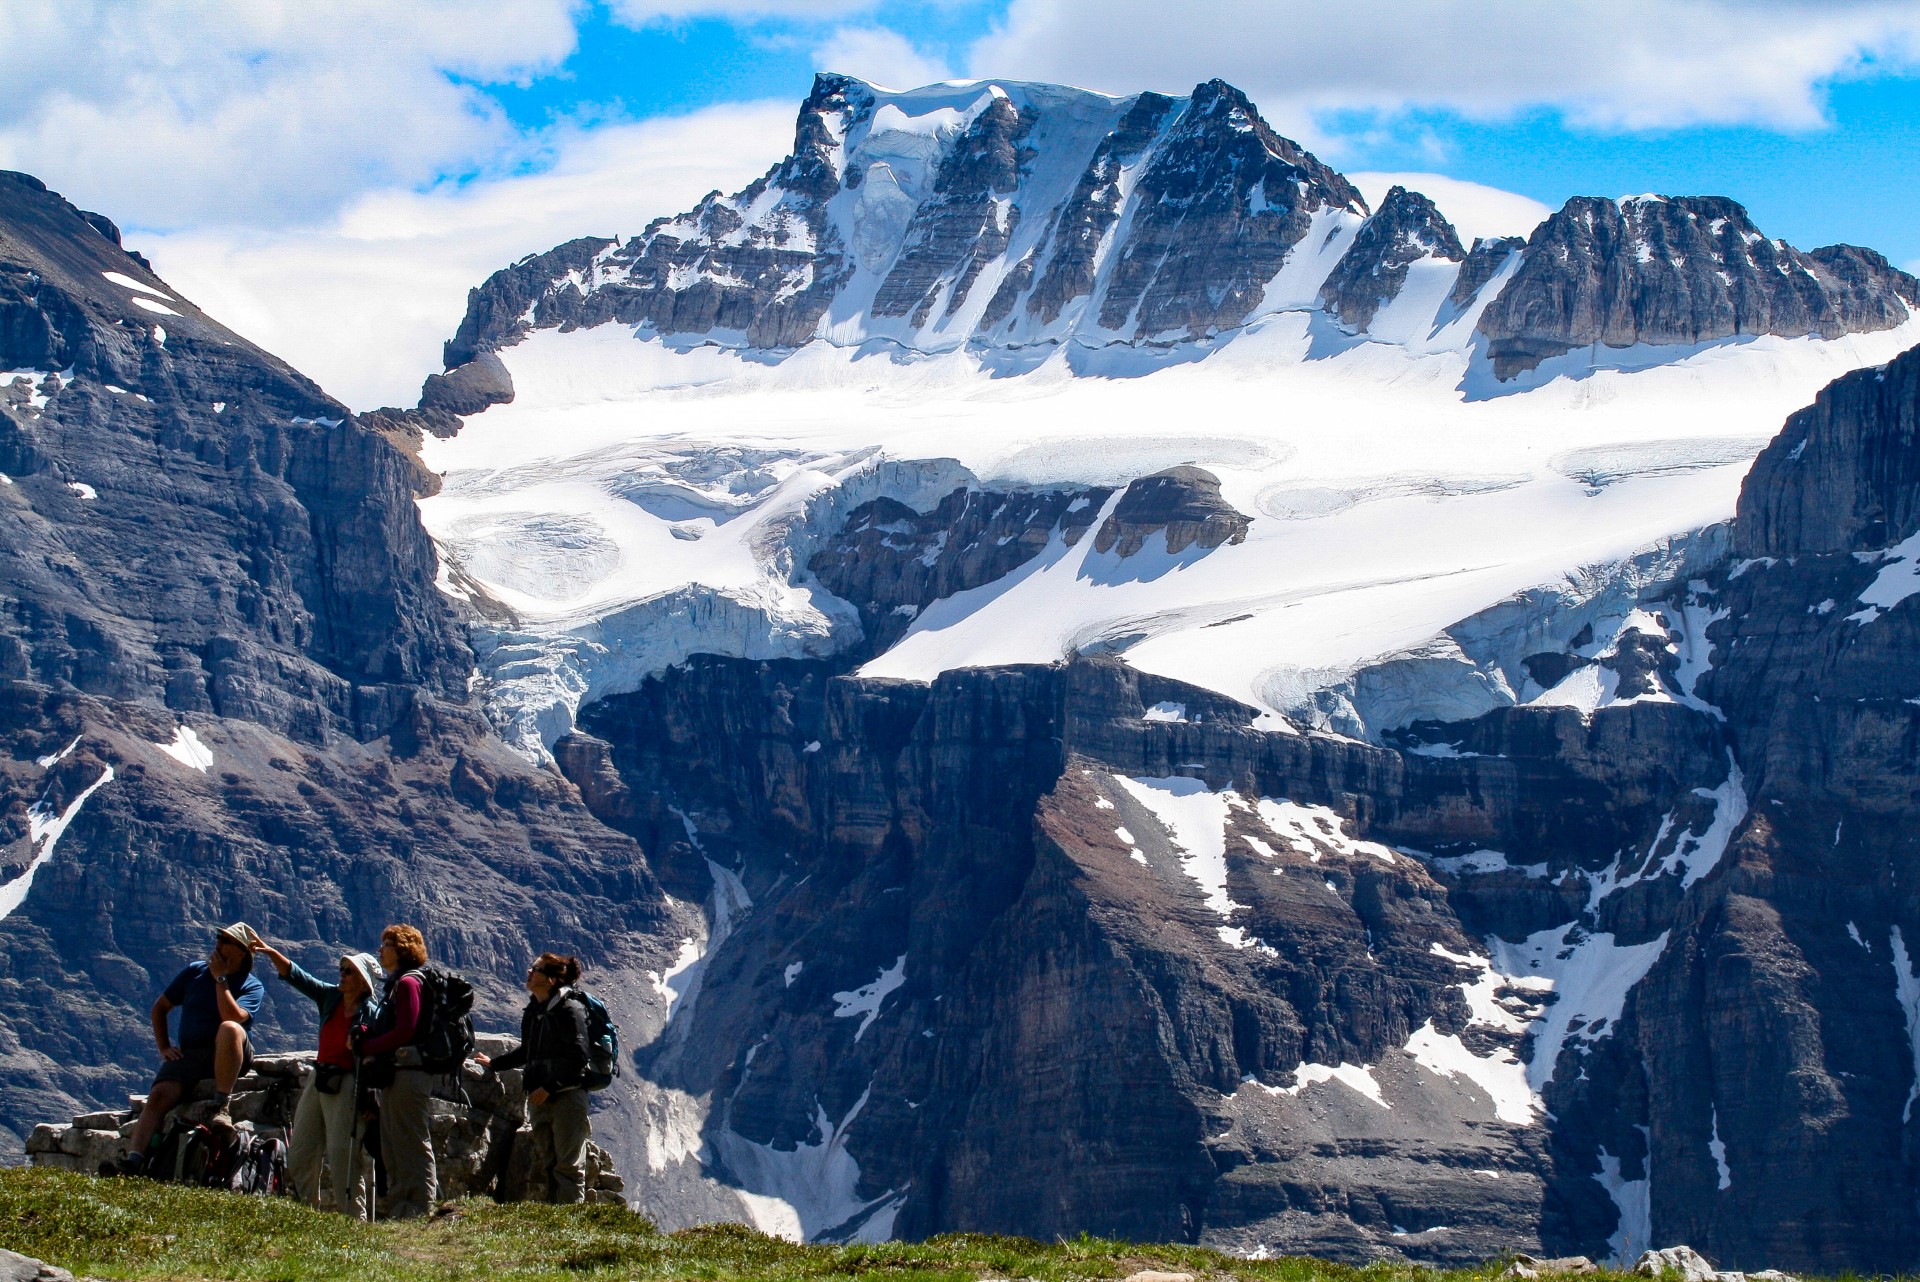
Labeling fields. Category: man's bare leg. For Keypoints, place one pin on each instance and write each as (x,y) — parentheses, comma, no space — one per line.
(229,1052)
(160,1101)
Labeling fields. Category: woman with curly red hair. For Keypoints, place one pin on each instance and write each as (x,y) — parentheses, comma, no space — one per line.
(406,1103)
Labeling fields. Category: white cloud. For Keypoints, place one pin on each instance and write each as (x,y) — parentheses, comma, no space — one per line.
(262,110)
(1628,64)
(640,13)
(363,303)
(1472,208)
(880,57)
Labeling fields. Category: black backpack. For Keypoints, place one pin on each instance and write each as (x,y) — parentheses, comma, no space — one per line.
(191,1153)
(603,1043)
(445,1034)
(179,1152)
(260,1166)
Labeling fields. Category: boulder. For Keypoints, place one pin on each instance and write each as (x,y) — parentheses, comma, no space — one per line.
(15,1267)
(1680,1261)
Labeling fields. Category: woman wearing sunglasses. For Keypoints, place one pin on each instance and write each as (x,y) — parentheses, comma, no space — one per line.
(553,1051)
(324,1129)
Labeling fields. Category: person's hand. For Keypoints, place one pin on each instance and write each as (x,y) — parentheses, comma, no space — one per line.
(217,965)
(483,1059)
(170,1053)
(539,1096)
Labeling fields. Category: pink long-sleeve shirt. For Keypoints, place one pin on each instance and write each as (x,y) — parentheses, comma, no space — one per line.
(406,1018)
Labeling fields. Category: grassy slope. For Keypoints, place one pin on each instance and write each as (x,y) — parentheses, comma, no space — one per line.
(135,1229)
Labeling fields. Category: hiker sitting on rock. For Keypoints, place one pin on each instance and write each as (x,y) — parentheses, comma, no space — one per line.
(325,1125)
(553,1051)
(217,999)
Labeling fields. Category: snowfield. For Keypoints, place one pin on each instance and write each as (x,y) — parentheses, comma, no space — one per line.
(638,502)
(643,499)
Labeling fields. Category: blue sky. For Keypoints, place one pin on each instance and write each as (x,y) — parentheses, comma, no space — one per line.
(332,177)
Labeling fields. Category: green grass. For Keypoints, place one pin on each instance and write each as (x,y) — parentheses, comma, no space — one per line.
(136,1229)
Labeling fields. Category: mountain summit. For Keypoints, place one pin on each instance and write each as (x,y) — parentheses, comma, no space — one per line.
(1018,217)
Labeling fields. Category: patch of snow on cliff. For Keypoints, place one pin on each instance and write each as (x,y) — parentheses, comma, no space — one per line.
(1634,1201)
(726,903)
(44,829)
(1499,1073)
(865,1002)
(1718,1147)
(1679,849)
(1165,711)
(1308,828)
(1899,578)
(1502,1077)
(84,490)
(148,304)
(810,1192)
(54,759)
(1906,987)
(674,982)
(1591,974)
(1471,862)
(125,281)
(1196,820)
(187,749)
(1355,1077)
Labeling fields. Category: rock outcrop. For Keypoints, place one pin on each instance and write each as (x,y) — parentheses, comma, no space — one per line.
(894,561)
(954,212)
(1679,270)
(1181,503)
(1015,218)
(1404,230)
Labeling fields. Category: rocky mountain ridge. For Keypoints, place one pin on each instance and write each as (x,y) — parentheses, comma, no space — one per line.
(1004,216)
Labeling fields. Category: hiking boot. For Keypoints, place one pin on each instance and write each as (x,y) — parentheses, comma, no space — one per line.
(129,1164)
(221,1123)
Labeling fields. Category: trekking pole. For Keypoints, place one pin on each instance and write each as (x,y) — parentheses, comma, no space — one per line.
(373,1191)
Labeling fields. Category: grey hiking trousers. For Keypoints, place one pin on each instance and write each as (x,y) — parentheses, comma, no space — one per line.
(560,1131)
(406,1143)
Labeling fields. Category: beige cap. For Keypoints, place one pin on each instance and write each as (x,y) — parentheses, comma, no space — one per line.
(242,934)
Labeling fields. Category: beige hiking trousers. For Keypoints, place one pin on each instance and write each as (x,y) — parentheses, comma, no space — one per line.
(324,1135)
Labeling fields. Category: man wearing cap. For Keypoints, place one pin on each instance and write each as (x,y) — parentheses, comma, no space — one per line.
(325,1125)
(217,999)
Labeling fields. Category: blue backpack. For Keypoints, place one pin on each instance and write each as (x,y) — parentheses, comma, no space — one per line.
(603,1043)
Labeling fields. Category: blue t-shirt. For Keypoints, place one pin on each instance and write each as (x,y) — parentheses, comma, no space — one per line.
(194,994)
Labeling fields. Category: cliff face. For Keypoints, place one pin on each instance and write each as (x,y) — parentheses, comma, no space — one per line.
(231,689)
